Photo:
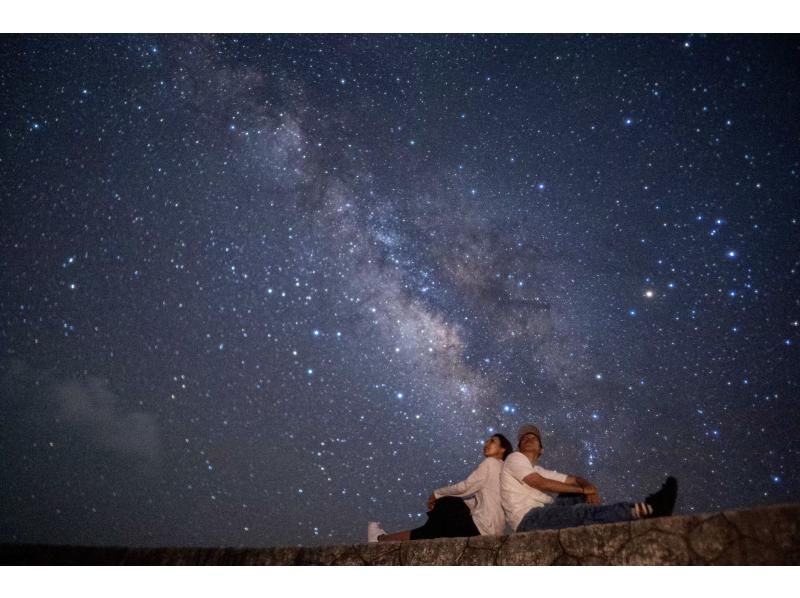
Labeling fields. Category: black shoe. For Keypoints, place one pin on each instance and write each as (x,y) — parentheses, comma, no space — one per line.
(663,501)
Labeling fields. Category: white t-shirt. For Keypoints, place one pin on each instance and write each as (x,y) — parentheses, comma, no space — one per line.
(484,485)
(517,497)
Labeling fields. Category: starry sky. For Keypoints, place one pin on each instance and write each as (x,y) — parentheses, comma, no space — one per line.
(259,290)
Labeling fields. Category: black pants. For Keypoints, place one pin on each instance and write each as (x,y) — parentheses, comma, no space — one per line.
(450,518)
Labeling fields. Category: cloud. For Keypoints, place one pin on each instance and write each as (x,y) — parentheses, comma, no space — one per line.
(91,405)
(32,399)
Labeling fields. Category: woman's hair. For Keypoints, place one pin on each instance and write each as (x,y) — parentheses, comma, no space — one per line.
(504,442)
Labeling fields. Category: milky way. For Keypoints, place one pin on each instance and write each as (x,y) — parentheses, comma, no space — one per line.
(260,290)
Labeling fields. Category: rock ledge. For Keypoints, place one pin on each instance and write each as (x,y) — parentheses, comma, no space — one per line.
(756,536)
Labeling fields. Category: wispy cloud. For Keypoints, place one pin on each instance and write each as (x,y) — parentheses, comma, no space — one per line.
(88,406)
(92,405)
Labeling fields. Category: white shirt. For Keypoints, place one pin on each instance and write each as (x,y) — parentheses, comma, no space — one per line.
(484,485)
(517,497)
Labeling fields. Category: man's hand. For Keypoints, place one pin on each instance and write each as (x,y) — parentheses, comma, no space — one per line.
(431,502)
(593,499)
(592,494)
(589,490)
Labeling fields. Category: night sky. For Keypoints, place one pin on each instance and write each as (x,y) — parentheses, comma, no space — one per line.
(261,290)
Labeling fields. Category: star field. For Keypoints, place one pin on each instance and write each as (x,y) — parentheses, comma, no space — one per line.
(261,289)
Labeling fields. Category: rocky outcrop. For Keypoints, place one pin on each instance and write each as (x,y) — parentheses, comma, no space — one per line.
(758,536)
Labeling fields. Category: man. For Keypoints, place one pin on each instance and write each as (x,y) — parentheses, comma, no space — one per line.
(524,488)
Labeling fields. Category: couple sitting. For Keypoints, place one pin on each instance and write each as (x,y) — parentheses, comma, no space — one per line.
(511,487)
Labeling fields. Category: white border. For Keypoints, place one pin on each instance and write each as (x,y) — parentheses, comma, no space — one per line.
(400,582)
(424,16)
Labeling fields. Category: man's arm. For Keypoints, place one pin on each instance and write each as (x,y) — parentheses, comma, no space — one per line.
(534,480)
(593,495)
(575,480)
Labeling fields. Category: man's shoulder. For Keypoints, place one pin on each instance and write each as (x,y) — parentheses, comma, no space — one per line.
(516,460)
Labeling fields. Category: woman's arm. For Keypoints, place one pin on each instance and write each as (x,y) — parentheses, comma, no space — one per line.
(474,482)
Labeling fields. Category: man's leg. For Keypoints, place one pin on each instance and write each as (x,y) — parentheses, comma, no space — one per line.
(659,504)
(558,517)
(566,498)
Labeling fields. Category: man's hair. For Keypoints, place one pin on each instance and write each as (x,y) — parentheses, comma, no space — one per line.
(505,443)
(529,429)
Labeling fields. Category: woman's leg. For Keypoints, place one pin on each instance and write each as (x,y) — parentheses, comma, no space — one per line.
(449,518)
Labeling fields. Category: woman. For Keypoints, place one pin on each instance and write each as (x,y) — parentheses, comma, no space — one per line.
(448,514)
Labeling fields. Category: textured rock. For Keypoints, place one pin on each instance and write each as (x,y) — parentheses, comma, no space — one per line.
(595,543)
(758,536)
(445,551)
(654,547)
(481,550)
(532,548)
(714,538)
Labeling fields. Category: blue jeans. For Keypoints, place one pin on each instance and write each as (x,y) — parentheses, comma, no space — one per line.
(566,513)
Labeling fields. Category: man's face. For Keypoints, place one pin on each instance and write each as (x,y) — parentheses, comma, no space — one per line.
(530,444)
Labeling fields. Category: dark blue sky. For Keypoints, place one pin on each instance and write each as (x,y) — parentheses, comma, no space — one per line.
(262,289)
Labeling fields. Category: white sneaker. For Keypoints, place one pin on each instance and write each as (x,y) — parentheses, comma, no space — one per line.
(373,531)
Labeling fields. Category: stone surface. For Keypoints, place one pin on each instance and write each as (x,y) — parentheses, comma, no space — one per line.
(758,536)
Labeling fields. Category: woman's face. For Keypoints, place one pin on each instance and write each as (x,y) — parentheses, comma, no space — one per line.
(493,448)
